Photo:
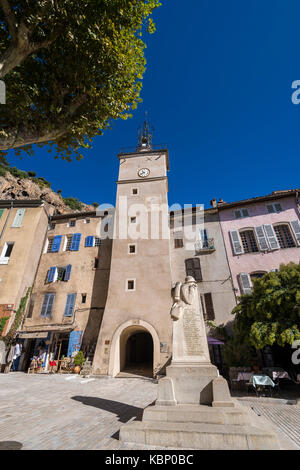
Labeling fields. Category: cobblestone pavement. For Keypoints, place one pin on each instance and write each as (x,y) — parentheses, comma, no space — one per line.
(286,417)
(68,412)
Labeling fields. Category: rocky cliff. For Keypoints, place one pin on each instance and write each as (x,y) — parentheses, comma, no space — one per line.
(12,187)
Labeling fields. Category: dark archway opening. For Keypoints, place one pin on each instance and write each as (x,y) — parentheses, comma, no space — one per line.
(139,354)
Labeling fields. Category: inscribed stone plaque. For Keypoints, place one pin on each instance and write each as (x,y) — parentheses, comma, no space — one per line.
(192,332)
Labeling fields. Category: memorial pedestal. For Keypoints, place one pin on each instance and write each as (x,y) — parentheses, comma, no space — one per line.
(194,409)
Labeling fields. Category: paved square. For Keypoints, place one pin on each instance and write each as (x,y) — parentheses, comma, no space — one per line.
(56,412)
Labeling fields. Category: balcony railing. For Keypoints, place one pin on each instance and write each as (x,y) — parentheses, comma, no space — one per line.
(206,246)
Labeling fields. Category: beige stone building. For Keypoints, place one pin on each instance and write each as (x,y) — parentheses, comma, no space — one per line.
(23,225)
(66,305)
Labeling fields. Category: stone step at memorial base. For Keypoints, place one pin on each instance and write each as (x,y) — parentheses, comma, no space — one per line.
(197,414)
(204,436)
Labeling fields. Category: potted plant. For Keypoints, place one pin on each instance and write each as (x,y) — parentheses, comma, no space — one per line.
(79,360)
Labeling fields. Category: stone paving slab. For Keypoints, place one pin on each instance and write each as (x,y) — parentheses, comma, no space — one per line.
(49,412)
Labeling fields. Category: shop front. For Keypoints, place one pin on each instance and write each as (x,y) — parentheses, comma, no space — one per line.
(45,352)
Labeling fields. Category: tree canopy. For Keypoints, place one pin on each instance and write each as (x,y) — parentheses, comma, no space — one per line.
(270,315)
(70,67)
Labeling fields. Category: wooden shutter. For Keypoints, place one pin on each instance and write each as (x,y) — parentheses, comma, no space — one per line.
(209,307)
(75,242)
(69,309)
(47,305)
(295,225)
(236,243)
(51,274)
(261,237)
(89,241)
(56,244)
(68,272)
(272,239)
(18,218)
(245,283)
(193,268)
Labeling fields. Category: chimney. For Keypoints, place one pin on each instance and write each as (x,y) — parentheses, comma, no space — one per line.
(213,203)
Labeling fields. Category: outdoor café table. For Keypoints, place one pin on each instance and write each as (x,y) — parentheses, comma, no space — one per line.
(261,381)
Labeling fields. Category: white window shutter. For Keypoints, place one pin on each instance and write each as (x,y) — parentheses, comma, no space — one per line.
(261,237)
(272,239)
(245,283)
(18,218)
(296,230)
(236,242)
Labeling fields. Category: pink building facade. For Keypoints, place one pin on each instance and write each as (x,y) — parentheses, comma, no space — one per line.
(260,234)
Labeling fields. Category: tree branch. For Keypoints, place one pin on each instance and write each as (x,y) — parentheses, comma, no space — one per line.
(21,135)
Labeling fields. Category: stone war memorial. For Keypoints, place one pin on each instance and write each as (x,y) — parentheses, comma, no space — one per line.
(194,409)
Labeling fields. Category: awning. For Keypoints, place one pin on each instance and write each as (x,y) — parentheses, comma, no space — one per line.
(212,341)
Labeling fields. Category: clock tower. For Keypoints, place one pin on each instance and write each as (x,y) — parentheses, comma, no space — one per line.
(135,335)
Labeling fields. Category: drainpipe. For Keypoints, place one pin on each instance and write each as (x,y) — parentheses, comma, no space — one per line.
(5,224)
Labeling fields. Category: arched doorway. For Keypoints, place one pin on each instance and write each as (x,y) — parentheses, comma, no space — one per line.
(124,355)
(139,354)
(136,351)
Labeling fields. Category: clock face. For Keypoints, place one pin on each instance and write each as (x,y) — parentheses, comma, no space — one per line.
(144,172)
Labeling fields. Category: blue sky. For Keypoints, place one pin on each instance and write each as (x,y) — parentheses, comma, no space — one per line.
(218,92)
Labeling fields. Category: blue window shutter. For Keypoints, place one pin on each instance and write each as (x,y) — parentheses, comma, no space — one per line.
(51,274)
(56,244)
(68,272)
(75,242)
(74,342)
(89,241)
(47,305)
(69,309)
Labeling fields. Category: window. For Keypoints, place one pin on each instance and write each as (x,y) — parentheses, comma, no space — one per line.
(284,236)
(130,284)
(83,298)
(72,223)
(97,241)
(193,268)
(87,221)
(51,226)
(69,308)
(133,220)
(271,208)
(209,307)
(50,243)
(96,263)
(59,273)
(134,191)
(47,306)
(241,213)
(68,241)
(72,242)
(18,218)
(248,241)
(8,247)
(178,239)
(257,275)
(132,249)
